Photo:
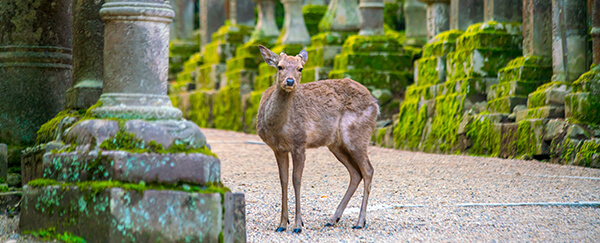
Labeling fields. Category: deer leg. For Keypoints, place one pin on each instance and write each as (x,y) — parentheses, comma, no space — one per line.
(366,169)
(355,178)
(298,162)
(284,164)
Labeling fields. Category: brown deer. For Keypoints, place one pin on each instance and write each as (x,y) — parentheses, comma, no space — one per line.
(339,114)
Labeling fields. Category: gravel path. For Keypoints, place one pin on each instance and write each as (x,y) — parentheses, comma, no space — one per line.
(414,197)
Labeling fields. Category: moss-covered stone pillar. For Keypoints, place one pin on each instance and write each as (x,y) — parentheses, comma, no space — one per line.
(415,16)
(88,51)
(569,39)
(130,169)
(341,20)
(3,162)
(503,10)
(182,26)
(212,17)
(266,30)
(294,31)
(371,12)
(583,105)
(438,17)
(244,12)
(465,13)
(35,65)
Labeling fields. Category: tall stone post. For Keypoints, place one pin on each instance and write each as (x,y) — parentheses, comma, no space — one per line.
(596,31)
(136,65)
(465,13)
(182,26)
(266,28)
(438,17)
(212,17)
(88,51)
(35,66)
(294,29)
(569,39)
(3,161)
(341,15)
(372,16)
(315,2)
(244,12)
(415,16)
(503,10)
(537,28)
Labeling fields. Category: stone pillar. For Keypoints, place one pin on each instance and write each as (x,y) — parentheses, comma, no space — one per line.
(438,17)
(596,31)
(136,63)
(341,15)
(266,28)
(294,29)
(537,28)
(465,13)
(372,16)
(88,43)
(35,66)
(182,26)
(415,16)
(503,10)
(3,161)
(315,2)
(244,12)
(569,39)
(212,17)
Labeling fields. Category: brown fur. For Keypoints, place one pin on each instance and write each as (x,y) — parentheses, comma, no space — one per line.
(339,114)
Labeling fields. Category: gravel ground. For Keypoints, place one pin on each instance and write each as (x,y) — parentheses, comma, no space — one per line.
(414,197)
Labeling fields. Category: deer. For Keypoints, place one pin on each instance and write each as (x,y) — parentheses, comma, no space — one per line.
(339,114)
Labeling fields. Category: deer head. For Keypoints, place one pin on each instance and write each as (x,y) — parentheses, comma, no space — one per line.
(289,68)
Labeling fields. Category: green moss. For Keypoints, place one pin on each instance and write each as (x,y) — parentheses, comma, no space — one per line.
(251,111)
(312,16)
(51,234)
(127,141)
(409,129)
(98,186)
(583,108)
(586,152)
(483,135)
(442,44)
(228,109)
(47,131)
(444,128)
(392,17)
(201,102)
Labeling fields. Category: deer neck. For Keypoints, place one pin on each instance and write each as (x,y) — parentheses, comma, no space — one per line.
(278,108)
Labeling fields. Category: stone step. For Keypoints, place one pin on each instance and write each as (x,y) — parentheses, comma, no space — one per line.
(525,73)
(393,80)
(512,88)
(194,168)
(505,104)
(100,213)
(583,107)
(376,61)
(548,94)
(541,112)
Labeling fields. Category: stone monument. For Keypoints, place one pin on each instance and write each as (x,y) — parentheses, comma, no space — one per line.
(415,15)
(131,169)
(438,17)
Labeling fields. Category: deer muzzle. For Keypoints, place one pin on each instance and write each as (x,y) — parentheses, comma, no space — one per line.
(289,82)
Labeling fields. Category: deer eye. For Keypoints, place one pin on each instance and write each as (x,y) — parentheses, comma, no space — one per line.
(300,70)
(280,68)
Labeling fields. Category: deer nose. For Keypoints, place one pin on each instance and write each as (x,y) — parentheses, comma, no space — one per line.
(289,81)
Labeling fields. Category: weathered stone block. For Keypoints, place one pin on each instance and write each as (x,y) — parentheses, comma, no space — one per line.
(119,215)
(512,88)
(549,94)
(541,112)
(375,61)
(393,80)
(194,168)
(234,223)
(583,107)
(505,104)
(32,161)
(3,161)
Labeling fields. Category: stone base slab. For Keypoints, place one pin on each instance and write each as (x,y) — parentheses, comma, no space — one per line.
(129,167)
(119,215)
(541,112)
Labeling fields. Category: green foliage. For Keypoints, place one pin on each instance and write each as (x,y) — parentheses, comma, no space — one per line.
(227,109)
(412,120)
(127,141)
(4,188)
(312,16)
(50,234)
(47,131)
(444,128)
(42,182)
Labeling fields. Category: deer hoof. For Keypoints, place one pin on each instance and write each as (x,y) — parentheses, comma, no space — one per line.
(328,225)
(280,229)
(297,230)
(357,227)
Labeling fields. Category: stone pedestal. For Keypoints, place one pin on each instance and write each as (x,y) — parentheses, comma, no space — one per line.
(294,30)
(465,13)
(244,12)
(88,65)
(266,31)
(35,66)
(372,17)
(569,40)
(438,17)
(415,16)
(341,20)
(182,26)
(131,169)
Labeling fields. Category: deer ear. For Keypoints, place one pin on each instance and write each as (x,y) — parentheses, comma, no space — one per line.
(270,57)
(304,56)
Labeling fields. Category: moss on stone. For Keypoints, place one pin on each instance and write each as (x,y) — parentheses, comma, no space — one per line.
(483,136)
(443,134)
(47,131)
(312,16)
(51,234)
(442,44)
(227,109)
(251,111)
(126,141)
(409,129)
